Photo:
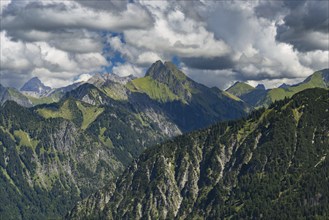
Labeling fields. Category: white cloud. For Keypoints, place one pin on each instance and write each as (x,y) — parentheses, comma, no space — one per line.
(83,77)
(217,41)
(54,66)
(218,78)
(147,58)
(274,83)
(127,69)
(174,33)
(253,41)
(315,60)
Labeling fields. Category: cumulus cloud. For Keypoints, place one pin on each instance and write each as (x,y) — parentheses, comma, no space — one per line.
(217,42)
(257,55)
(213,78)
(76,41)
(128,69)
(275,83)
(83,78)
(56,67)
(50,15)
(303,24)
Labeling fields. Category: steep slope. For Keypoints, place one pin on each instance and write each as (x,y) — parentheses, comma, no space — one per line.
(240,88)
(110,118)
(47,164)
(272,165)
(319,79)
(258,97)
(126,127)
(13,95)
(189,104)
(68,149)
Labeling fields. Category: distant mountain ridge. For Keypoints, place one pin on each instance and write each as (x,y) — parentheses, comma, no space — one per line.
(34,87)
(258,97)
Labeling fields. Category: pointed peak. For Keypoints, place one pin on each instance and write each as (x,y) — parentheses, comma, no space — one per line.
(35,85)
(161,71)
(155,67)
(170,64)
(284,86)
(34,80)
(240,84)
(260,86)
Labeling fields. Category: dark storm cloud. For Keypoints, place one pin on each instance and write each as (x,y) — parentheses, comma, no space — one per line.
(309,16)
(215,63)
(270,9)
(306,27)
(62,15)
(108,5)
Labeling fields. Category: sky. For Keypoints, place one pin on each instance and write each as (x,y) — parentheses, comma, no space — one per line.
(214,42)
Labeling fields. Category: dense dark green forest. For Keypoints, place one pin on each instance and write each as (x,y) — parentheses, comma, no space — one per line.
(271,165)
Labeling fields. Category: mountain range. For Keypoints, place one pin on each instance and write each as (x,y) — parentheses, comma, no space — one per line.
(259,96)
(54,154)
(59,146)
(271,165)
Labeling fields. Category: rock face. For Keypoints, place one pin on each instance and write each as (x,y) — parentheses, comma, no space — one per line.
(35,88)
(271,165)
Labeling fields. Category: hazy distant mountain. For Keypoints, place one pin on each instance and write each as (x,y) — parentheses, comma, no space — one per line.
(259,97)
(35,88)
(272,165)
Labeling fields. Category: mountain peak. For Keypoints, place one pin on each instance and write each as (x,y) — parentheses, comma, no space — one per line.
(260,86)
(240,88)
(155,68)
(35,86)
(284,86)
(163,72)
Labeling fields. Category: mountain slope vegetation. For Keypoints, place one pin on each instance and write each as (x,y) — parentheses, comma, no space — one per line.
(271,165)
(257,97)
(56,154)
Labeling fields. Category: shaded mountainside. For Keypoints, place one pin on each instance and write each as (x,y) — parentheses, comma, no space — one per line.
(258,97)
(7,94)
(272,165)
(189,104)
(164,92)
(54,155)
(240,88)
(46,165)
(80,143)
